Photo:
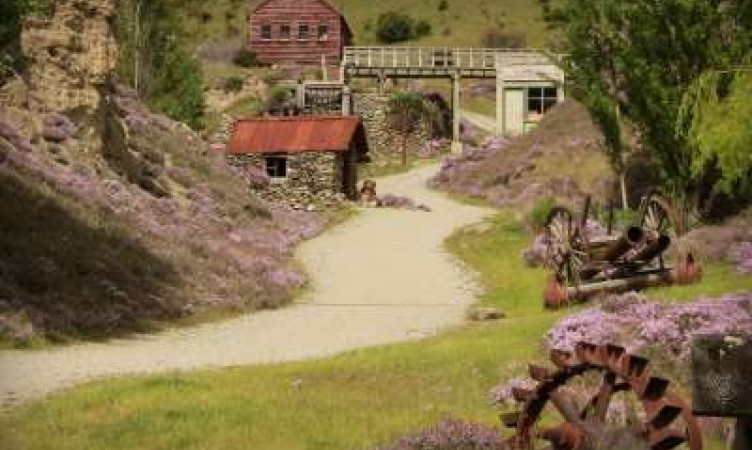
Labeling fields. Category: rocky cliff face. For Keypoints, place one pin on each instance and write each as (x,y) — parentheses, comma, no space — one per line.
(71,55)
(114,216)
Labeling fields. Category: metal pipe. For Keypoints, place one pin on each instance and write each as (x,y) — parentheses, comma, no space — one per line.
(629,239)
(650,251)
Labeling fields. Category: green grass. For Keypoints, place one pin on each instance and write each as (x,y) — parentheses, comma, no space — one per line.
(352,401)
(480,105)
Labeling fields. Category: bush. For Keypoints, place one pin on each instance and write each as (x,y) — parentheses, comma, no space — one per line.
(497,38)
(540,212)
(423,28)
(443,5)
(245,58)
(232,84)
(394,27)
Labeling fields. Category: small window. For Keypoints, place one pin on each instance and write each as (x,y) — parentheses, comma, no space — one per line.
(284,32)
(276,167)
(540,100)
(266,32)
(303,32)
(323,33)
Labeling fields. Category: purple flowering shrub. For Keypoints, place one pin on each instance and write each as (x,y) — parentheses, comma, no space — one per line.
(223,247)
(741,255)
(451,434)
(433,148)
(668,328)
(501,395)
(399,202)
(546,162)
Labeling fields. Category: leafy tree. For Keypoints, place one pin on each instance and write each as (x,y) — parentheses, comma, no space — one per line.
(155,63)
(635,60)
(719,111)
(406,110)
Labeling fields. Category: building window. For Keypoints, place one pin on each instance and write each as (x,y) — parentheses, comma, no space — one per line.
(540,100)
(323,33)
(303,32)
(266,31)
(284,32)
(276,167)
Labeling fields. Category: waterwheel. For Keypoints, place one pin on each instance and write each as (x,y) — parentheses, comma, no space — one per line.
(662,422)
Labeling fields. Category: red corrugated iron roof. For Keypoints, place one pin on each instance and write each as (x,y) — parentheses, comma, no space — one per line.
(296,134)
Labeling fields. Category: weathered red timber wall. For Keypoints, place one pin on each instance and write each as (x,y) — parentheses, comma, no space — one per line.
(295,50)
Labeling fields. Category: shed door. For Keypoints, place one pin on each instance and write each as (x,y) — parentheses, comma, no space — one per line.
(514,105)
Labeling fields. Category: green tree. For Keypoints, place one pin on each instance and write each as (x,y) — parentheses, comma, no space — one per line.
(717,114)
(635,60)
(407,110)
(154,61)
(392,27)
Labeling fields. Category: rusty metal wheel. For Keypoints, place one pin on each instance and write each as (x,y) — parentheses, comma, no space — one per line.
(566,251)
(666,421)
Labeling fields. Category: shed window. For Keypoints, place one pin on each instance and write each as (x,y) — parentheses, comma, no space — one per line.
(276,167)
(266,31)
(541,99)
(284,32)
(303,32)
(323,33)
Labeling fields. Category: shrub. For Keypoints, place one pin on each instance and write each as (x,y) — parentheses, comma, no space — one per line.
(443,5)
(232,84)
(495,37)
(452,434)
(423,28)
(394,27)
(245,58)
(540,212)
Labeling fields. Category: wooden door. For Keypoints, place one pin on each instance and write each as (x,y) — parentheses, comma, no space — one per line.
(514,114)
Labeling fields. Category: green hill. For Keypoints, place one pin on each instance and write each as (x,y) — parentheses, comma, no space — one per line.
(460,23)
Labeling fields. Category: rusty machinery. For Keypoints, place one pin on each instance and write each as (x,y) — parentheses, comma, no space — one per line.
(630,259)
(665,421)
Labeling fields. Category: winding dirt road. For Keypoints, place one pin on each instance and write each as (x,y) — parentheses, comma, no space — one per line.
(380,278)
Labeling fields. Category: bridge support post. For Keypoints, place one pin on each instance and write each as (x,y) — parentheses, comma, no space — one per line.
(456,114)
(346,100)
(501,110)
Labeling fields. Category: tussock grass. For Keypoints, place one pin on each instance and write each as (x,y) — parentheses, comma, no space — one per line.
(352,401)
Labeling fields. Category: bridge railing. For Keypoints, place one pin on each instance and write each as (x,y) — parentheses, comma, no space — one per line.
(437,57)
(432,57)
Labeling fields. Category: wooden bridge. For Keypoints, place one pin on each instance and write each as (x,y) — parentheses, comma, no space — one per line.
(442,62)
(523,78)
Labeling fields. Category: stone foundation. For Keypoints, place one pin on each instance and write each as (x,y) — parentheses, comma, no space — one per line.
(314,180)
(383,140)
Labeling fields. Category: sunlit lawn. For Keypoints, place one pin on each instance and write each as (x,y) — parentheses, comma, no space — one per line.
(352,401)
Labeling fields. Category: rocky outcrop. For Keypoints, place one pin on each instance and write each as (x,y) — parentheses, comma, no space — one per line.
(71,55)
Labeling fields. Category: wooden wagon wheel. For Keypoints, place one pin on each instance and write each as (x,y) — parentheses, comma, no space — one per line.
(658,217)
(666,423)
(566,245)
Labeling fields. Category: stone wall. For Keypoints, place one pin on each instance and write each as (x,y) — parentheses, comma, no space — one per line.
(314,180)
(383,140)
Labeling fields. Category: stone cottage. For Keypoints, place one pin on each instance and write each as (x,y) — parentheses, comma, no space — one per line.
(309,160)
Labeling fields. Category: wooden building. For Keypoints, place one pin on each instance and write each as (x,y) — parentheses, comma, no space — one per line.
(297,32)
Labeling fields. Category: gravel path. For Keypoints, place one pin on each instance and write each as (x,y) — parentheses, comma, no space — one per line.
(382,277)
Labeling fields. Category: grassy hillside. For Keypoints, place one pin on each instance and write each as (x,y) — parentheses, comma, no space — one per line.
(462,23)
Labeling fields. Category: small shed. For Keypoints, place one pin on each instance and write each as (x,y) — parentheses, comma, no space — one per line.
(308,159)
(298,32)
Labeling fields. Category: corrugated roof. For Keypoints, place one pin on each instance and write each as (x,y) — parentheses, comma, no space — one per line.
(296,134)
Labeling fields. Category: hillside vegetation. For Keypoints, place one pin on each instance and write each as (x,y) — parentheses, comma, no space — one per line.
(459,23)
